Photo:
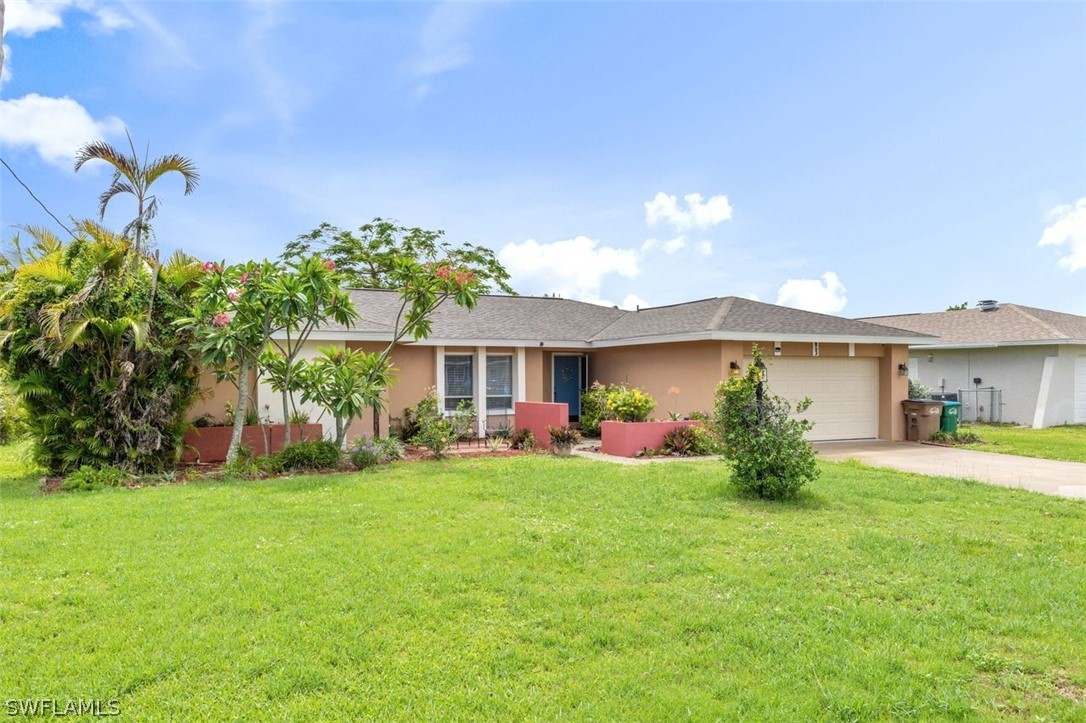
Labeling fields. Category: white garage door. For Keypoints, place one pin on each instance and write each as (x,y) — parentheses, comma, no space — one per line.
(845,392)
(1080,390)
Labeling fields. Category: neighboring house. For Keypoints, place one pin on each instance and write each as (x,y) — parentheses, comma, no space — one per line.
(521,348)
(1035,358)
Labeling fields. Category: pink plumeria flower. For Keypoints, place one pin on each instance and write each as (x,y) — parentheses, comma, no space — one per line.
(330,264)
(220,320)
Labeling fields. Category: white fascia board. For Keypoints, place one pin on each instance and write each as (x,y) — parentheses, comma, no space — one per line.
(761,336)
(527,343)
(1001,344)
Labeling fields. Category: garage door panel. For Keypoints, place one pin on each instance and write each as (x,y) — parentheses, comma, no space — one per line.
(843,391)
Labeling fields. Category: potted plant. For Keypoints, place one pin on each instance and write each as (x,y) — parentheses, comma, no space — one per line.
(563,438)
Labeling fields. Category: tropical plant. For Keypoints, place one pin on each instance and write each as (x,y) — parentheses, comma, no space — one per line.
(563,435)
(769,456)
(134,177)
(13,422)
(428,406)
(417,264)
(463,419)
(681,442)
(345,383)
(305,293)
(523,439)
(87,337)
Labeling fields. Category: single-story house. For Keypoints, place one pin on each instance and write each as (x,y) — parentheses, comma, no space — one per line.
(522,348)
(1018,363)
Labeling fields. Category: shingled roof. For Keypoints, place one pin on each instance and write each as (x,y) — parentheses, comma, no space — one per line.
(551,320)
(1007,323)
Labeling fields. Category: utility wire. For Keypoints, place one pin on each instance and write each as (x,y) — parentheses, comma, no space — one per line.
(12,172)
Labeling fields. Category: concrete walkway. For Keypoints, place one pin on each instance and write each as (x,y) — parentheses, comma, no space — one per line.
(1064,479)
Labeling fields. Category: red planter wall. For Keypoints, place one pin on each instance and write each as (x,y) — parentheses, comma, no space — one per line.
(625,439)
(209,444)
(536,416)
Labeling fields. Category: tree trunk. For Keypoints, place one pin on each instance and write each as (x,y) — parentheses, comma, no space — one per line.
(239,411)
(286,408)
(376,421)
(341,432)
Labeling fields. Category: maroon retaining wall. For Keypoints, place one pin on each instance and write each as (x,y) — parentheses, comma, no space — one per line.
(209,444)
(625,439)
(536,416)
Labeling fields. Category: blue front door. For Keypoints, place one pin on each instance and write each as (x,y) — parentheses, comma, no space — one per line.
(567,383)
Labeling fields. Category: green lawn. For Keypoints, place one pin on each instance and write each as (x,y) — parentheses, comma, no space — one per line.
(536,587)
(1066,443)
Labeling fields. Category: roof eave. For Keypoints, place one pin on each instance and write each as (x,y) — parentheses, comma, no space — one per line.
(1001,344)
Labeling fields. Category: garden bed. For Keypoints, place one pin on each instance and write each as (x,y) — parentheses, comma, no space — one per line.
(210,444)
(626,439)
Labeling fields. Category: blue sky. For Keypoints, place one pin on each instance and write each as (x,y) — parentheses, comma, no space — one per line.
(856,159)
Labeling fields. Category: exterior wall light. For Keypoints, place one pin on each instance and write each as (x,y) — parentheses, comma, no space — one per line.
(903,369)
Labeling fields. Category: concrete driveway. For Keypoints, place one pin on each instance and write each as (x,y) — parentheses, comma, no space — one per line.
(1064,479)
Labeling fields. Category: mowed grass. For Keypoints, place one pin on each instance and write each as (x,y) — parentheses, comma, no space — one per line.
(535,587)
(1065,443)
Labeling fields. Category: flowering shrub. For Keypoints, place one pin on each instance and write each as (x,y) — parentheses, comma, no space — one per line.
(629,404)
(371,451)
(436,433)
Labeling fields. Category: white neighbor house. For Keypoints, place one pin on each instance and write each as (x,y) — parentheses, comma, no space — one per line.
(1037,358)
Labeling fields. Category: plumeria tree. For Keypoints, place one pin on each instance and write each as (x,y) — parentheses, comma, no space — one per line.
(304,294)
(233,319)
(344,382)
(424,268)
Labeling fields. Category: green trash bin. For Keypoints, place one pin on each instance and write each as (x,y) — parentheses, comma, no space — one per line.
(949,421)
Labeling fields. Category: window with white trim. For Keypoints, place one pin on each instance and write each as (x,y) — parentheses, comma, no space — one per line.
(499,383)
(459,380)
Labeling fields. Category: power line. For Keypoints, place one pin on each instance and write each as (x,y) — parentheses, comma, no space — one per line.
(12,172)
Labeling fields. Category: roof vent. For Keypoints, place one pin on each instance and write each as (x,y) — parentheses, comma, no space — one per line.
(988,305)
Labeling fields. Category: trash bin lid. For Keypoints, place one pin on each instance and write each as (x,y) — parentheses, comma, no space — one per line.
(947,405)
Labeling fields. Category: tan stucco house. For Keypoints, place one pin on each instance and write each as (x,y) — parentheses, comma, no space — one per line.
(1005,362)
(521,348)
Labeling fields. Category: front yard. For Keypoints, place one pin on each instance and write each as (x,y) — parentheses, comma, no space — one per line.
(534,587)
(1067,443)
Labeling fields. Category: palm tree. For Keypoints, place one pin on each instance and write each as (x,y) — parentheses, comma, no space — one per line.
(134,177)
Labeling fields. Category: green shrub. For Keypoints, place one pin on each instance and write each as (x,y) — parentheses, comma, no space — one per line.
(368,452)
(436,434)
(522,439)
(593,408)
(958,437)
(88,479)
(12,416)
(463,419)
(629,404)
(770,457)
(311,454)
(706,441)
(92,349)
(427,408)
(918,390)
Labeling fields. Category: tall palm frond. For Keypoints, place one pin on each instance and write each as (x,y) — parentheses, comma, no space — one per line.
(134,177)
(18,254)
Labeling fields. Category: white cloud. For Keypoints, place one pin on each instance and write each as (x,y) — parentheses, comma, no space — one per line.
(26,18)
(665,208)
(633,301)
(825,295)
(753,297)
(675,244)
(705,248)
(573,268)
(442,42)
(30,17)
(1068,226)
(54,127)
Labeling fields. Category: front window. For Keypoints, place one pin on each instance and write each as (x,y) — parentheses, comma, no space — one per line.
(499,383)
(458,380)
